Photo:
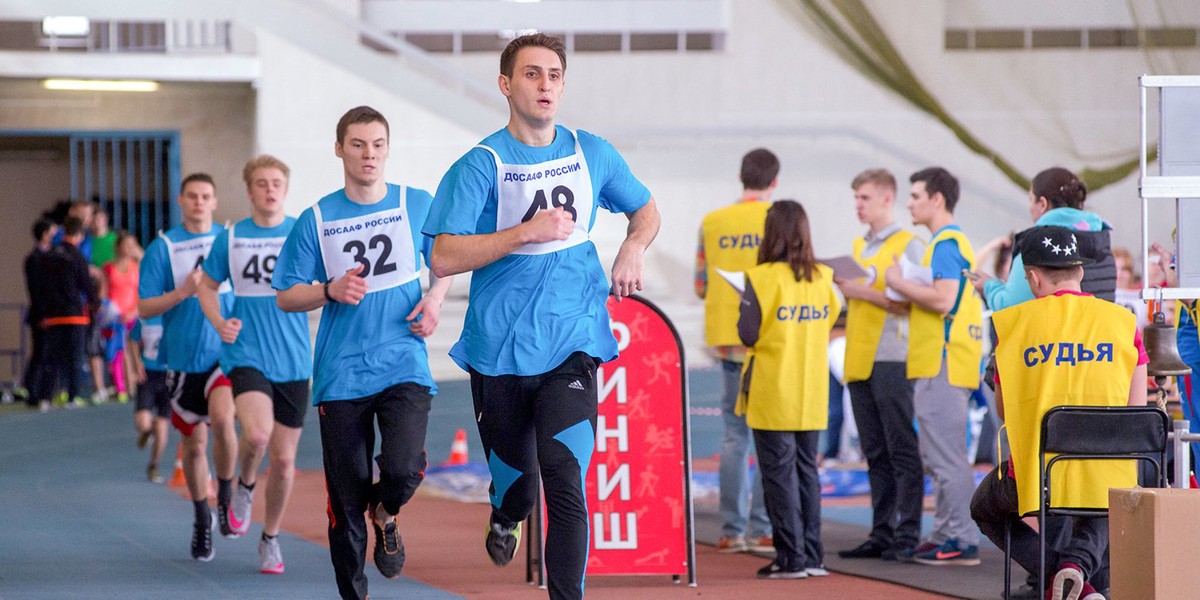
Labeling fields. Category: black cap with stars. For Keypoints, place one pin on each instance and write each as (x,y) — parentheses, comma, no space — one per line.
(1050,246)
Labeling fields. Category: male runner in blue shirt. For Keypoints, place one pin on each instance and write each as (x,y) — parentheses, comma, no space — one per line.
(517,210)
(362,246)
(200,394)
(267,353)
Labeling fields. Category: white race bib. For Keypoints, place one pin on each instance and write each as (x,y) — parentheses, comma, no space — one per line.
(524,190)
(251,264)
(187,256)
(151,336)
(381,242)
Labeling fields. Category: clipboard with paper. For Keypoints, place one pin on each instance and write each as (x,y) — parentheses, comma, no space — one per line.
(912,272)
(736,279)
(844,267)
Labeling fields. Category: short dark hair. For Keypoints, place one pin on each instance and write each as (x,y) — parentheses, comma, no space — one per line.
(72,226)
(786,239)
(1059,274)
(197,177)
(360,114)
(938,181)
(509,56)
(1060,187)
(40,227)
(759,168)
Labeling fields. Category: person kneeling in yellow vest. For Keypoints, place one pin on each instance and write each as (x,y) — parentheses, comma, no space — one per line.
(1096,358)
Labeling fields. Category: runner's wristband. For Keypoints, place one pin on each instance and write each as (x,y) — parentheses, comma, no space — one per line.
(328,298)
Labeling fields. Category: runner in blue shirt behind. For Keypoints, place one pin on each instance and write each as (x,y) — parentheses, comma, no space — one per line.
(362,246)
(200,394)
(153,409)
(517,210)
(267,353)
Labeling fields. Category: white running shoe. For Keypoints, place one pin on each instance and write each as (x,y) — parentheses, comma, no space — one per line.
(269,557)
(239,510)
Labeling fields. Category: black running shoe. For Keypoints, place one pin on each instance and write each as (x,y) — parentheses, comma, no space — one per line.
(202,548)
(778,571)
(502,542)
(389,548)
(224,511)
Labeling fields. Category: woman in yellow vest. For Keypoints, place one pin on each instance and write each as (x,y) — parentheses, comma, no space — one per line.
(1065,348)
(788,308)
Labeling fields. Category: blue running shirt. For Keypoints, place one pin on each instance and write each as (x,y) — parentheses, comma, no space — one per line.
(189,343)
(276,343)
(365,349)
(148,334)
(531,309)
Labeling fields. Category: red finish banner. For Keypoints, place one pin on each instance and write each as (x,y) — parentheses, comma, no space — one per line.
(638,492)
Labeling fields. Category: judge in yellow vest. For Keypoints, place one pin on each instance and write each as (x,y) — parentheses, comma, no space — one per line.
(788,308)
(881,394)
(944,349)
(729,240)
(1065,348)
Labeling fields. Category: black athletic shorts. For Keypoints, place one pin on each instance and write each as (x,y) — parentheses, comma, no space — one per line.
(153,394)
(290,399)
(189,396)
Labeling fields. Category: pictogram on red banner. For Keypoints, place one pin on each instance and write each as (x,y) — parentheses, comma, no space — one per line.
(639,481)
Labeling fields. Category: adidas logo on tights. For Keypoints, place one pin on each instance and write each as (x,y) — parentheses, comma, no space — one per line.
(575,385)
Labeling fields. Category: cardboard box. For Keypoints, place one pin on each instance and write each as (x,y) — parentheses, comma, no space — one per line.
(1154,539)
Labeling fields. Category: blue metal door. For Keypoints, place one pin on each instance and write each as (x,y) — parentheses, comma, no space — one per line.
(133,175)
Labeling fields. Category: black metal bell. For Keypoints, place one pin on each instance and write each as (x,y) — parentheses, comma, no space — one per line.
(1159,339)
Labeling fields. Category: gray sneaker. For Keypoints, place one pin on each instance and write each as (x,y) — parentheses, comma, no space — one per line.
(270,559)
(239,510)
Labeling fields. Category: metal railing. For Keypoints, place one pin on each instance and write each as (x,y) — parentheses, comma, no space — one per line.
(150,36)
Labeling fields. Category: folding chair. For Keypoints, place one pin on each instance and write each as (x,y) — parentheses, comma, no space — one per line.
(1091,433)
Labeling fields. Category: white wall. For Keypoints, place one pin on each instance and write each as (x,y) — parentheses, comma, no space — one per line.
(300,99)
(683,121)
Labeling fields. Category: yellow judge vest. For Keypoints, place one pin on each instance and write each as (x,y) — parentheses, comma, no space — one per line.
(731,239)
(785,381)
(927,338)
(1066,350)
(864,320)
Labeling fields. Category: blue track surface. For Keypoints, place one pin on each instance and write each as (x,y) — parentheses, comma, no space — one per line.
(79,520)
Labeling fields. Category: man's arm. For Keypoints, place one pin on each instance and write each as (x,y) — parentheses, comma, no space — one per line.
(303,297)
(426,315)
(700,278)
(210,303)
(938,298)
(454,254)
(153,307)
(855,290)
(629,264)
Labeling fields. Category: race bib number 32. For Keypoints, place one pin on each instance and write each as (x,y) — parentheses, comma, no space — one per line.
(381,243)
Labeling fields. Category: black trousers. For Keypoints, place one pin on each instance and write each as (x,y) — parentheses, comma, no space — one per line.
(32,379)
(1079,540)
(792,494)
(347,441)
(542,423)
(883,412)
(62,358)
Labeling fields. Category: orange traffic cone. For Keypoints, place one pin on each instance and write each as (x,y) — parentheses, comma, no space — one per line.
(177,478)
(458,450)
